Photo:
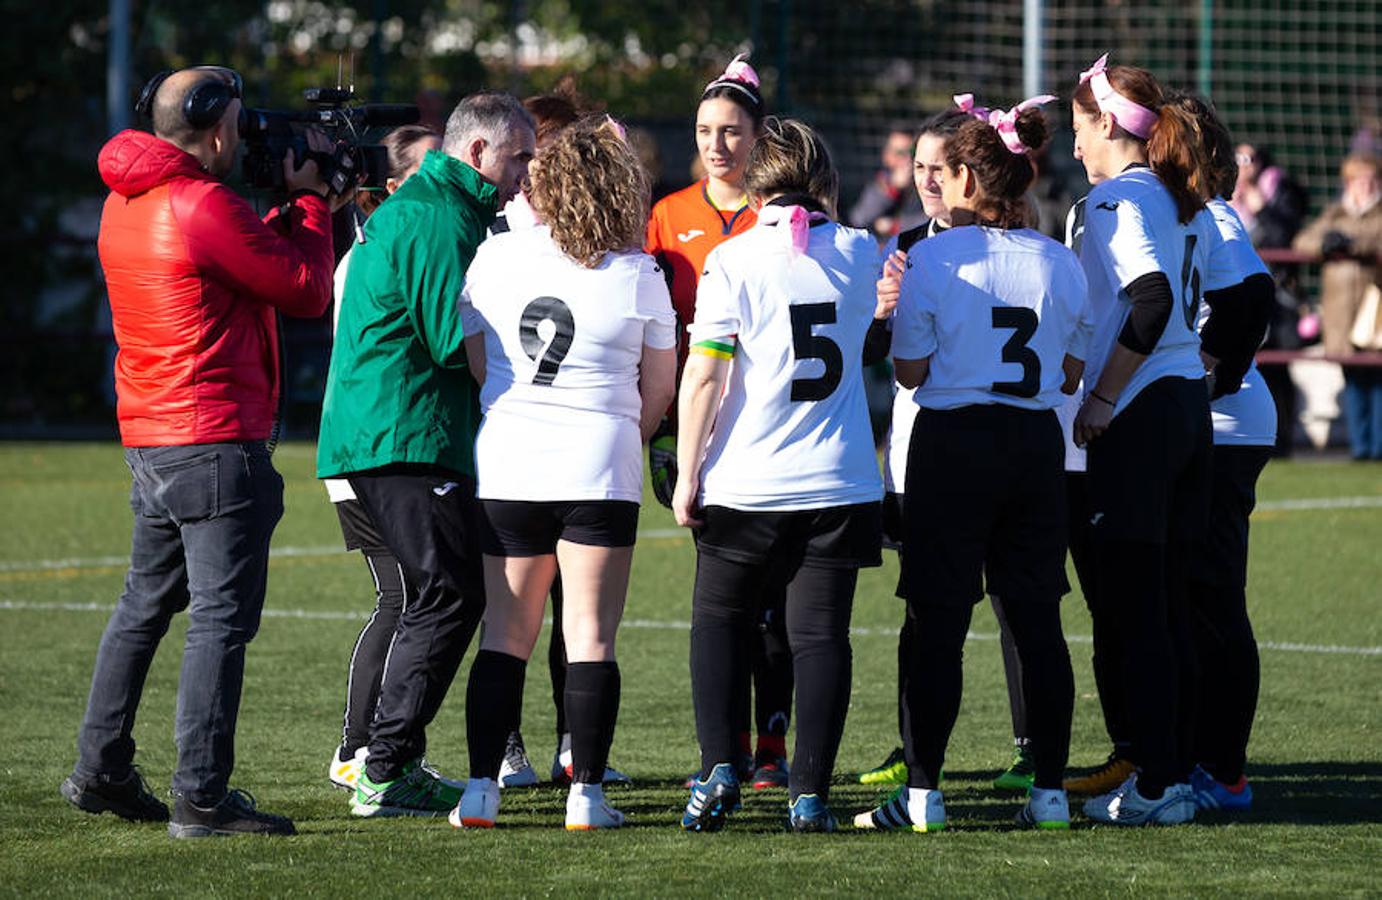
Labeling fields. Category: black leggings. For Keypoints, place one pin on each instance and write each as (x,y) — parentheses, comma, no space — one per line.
(1224,640)
(772,670)
(934,684)
(1160,669)
(819,602)
(372,648)
(1107,664)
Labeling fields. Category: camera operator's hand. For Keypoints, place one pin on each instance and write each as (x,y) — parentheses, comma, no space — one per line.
(307,176)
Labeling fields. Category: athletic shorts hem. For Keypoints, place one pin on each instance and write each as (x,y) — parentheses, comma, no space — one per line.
(522,528)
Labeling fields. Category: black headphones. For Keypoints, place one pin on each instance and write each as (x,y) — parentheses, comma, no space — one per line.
(205,104)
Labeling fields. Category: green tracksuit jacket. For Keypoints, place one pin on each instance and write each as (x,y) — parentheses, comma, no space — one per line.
(399,389)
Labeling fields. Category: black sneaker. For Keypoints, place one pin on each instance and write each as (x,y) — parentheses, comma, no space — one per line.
(233,815)
(128,798)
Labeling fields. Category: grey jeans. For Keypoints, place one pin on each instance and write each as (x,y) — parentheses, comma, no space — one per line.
(203,516)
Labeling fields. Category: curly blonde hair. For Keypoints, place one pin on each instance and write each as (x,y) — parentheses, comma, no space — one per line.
(590,189)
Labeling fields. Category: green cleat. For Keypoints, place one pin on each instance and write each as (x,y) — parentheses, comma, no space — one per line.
(892,771)
(419,791)
(1018,777)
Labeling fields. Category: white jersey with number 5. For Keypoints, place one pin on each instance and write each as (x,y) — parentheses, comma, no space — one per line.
(792,431)
(1131,230)
(562,351)
(1247,417)
(996,310)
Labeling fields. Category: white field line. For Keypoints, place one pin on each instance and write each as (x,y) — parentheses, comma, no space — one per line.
(101,562)
(328,615)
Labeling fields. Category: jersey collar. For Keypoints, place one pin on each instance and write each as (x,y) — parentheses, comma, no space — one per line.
(726,227)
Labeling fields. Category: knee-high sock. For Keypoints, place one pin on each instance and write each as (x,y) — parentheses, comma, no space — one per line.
(492,698)
(592,707)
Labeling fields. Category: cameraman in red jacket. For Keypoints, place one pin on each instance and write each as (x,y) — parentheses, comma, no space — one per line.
(194,278)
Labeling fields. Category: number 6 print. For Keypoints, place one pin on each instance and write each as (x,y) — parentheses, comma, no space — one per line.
(546,309)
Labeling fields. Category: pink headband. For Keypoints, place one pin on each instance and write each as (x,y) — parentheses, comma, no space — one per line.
(1134,117)
(1004,121)
(737,75)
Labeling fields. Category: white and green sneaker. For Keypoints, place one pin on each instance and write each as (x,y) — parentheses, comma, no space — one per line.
(418,791)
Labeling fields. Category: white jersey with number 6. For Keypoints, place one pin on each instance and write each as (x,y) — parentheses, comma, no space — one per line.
(1131,230)
(562,351)
(996,310)
(1247,417)
(792,431)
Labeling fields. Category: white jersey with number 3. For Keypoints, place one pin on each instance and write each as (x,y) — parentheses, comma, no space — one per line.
(996,310)
(562,350)
(1131,230)
(792,431)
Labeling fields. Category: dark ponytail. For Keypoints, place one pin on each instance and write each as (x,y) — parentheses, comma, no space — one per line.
(1221,174)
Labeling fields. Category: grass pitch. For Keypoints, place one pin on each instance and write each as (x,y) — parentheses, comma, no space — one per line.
(1315,761)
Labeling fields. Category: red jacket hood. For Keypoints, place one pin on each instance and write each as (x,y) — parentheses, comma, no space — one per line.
(133,162)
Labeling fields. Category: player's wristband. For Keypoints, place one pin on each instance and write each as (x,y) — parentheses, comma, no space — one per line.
(1096,396)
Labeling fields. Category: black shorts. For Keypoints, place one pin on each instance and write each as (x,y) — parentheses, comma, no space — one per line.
(1149,472)
(524,528)
(986,506)
(1221,559)
(841,537)
(358,528)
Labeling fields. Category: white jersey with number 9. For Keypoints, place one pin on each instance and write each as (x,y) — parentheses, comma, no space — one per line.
(562,351)
(792,431)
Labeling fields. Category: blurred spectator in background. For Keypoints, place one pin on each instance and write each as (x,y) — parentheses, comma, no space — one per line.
(1270,203)
(1348,236)
(889,203)
(1272,206)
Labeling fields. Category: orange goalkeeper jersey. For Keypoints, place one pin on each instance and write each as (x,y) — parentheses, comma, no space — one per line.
(684,227)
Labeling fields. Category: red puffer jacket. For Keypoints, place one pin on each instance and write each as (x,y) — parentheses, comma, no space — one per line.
(194,277)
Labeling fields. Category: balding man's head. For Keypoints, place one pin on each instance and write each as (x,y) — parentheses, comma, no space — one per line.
(205,86)
(198,111)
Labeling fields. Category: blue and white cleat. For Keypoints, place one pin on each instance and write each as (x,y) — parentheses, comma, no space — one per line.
(1047,809)
(908,809)
(810,814)
(1125,806)
(712,800)
(1211,793)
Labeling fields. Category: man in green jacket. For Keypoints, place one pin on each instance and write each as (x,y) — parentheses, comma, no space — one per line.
(399,421)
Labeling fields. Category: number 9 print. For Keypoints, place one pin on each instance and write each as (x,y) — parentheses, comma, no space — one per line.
(546,309)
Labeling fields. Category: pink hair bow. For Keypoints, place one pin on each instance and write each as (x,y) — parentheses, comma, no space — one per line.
(1005,122)
(738,70)
(1100,67)
(965,103)
(798,221)
(1133,116)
